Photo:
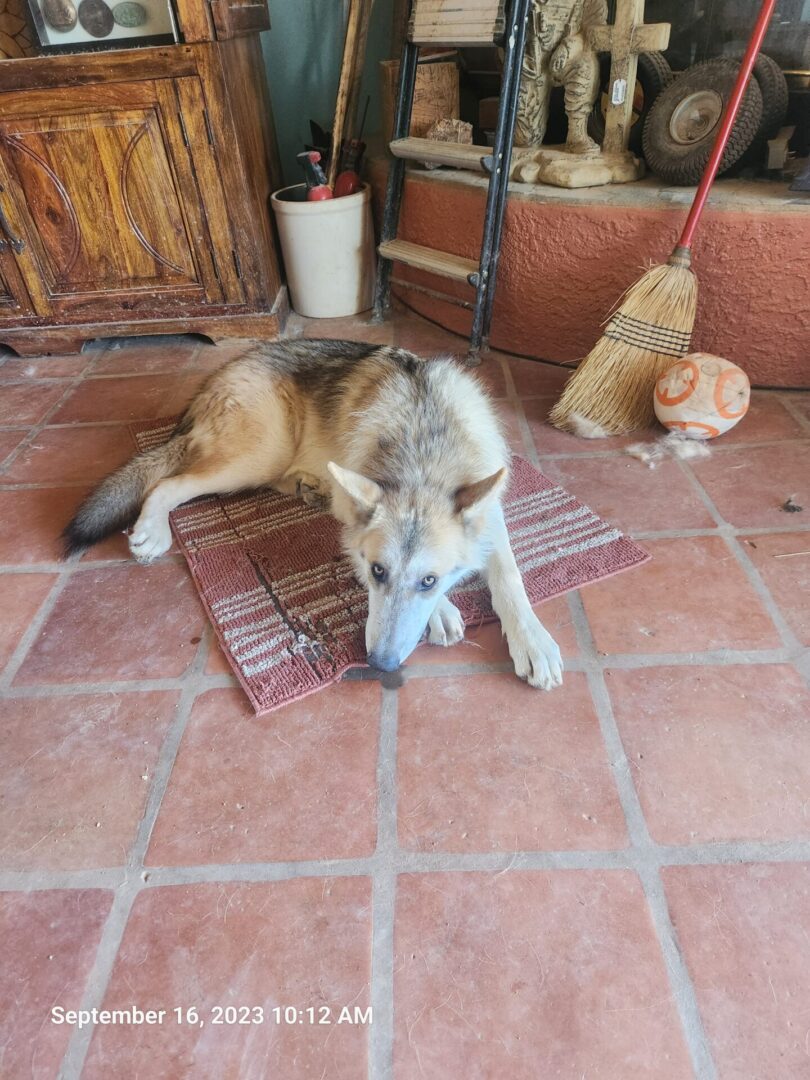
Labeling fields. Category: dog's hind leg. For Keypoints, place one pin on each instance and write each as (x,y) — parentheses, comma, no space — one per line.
(534,651)
(151,534)
(445,625)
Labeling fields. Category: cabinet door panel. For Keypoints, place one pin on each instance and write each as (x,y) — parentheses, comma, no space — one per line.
(14,300)
(98,197)
(208,168)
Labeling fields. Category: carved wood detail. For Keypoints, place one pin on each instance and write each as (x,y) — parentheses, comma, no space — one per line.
(137,182)
(127,204)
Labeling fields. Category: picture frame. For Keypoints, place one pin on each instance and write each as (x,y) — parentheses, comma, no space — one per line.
(89,25)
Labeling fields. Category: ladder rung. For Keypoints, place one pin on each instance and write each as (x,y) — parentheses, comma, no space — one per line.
(461,38)
(456,22)
(446,298)
(461,155)
(425,258)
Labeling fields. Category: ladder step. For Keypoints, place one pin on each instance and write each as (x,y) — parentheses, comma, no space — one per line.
(456,22)
(461,155)
(464,36)
(425,258)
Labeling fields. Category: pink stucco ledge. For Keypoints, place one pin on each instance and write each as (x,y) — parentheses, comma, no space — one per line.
(568,256)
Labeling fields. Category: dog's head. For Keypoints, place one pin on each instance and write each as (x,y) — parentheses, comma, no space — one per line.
(410,547)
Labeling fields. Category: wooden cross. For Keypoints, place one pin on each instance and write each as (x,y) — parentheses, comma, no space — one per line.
(624,40)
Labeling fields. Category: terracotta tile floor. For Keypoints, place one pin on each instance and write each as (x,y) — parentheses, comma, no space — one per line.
(612,880)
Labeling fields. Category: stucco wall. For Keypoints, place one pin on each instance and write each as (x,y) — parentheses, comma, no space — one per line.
(564,265)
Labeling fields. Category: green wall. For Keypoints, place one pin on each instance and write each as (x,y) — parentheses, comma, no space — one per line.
(302,52)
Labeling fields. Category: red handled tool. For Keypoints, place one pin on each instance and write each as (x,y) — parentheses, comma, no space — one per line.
(713,164)
(317,187)
(348,180)
(653,323)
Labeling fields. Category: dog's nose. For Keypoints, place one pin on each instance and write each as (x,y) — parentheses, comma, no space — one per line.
(383,661)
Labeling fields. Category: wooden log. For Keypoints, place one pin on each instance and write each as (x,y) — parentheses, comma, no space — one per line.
(436,95)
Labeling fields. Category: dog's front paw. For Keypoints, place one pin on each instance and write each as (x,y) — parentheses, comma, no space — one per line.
(445,626)
(150,538)
(535,654)
(311,490)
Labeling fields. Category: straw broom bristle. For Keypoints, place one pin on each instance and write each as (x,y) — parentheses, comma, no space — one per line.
(649,331)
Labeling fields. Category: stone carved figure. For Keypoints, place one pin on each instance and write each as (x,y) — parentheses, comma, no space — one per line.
(558,53)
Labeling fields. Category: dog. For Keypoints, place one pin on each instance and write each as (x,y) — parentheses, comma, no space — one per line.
(408,452)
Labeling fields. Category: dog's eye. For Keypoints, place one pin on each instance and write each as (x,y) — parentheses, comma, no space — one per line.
(377,571)
(427,582)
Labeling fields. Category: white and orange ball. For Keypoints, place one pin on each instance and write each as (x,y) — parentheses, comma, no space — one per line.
(702,396)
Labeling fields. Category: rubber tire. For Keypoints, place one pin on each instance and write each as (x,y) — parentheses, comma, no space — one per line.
(654,74)
(683,165)
(774,89)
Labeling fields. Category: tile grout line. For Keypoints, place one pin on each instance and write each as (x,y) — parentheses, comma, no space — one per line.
(384,883)
(66,570)
(418,862)
(71,384)
(613,661)
(134,877)
(17,658)
(787,400)
(98,976)
(618,452)
(10,692)
(52,567)
(796,653)
(680,980)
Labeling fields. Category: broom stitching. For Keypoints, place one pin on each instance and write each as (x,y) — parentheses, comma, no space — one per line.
(628,322)
(648,342)
(648,345)
(620,333)
(632,353)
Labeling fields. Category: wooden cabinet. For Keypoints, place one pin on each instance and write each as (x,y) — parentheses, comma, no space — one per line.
(14,300)
(134,192)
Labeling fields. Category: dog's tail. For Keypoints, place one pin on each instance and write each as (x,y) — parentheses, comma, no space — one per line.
(116,502)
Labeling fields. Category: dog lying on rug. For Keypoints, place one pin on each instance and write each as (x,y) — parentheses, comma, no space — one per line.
(409,453)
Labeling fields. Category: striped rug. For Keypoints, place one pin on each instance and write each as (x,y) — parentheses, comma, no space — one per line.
(283,599)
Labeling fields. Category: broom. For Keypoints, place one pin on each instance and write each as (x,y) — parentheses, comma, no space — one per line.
(612,387)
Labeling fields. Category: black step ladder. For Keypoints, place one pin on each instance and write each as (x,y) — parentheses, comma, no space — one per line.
(455,23)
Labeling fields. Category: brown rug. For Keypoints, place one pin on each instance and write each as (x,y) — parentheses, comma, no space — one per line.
(283,598)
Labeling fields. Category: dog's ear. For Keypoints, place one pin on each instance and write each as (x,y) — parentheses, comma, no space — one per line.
(364,492)
(472,495)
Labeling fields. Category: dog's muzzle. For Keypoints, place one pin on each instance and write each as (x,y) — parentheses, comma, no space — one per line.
(383,661)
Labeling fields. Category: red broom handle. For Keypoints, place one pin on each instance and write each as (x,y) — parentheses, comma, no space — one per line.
(713,164)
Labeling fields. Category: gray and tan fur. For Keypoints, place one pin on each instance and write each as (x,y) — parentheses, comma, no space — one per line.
(408,451)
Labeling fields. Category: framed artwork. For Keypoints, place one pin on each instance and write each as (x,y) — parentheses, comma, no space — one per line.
(81,25)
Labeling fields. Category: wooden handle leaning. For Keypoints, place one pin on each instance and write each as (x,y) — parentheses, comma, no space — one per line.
(350,73)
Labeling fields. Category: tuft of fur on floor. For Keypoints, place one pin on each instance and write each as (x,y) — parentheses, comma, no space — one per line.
(673,445)
(584,428)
